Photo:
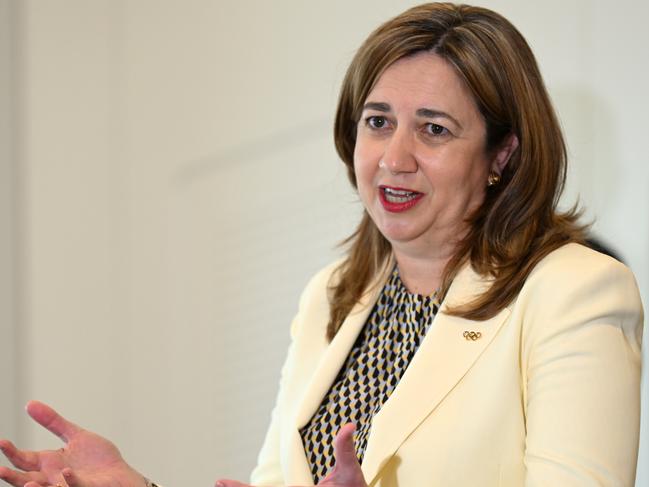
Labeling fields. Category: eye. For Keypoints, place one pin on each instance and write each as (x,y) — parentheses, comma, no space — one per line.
(376,122)
(435,129)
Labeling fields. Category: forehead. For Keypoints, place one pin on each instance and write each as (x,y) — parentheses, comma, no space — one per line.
(423,80)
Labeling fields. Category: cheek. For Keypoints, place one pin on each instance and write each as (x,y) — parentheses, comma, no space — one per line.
(467,170)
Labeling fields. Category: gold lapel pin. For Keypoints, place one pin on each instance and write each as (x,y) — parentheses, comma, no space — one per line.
(472,335)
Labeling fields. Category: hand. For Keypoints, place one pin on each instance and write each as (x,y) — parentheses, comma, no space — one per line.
(346,472)
(86,460)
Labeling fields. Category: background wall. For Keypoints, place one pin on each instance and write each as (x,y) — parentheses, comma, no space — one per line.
(169,184)
(8,220)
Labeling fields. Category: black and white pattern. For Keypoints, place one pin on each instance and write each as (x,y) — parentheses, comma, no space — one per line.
(386,345)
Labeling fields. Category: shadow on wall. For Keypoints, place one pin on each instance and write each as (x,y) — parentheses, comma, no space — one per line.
(596,244)
(251,151)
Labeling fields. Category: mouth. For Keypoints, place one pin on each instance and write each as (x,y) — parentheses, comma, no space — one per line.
(398,199)
(396,195)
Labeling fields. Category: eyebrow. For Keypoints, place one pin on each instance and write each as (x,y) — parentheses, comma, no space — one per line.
(379,107)
(421,112)
(429,113)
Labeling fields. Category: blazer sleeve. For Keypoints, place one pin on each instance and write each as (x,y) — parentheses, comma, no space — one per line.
(580,362)
(268,471)
(313,303)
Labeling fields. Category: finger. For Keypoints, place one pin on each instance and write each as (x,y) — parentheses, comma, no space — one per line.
(32,484)
(19,479)
(229,483)
(51,420)
(344,451)
(347,471)
(22,459)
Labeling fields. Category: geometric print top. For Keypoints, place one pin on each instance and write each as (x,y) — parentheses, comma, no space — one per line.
(383,350)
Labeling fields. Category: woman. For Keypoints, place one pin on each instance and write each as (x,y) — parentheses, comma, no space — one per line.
(468,335)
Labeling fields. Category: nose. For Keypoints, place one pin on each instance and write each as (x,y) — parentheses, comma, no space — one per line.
(398,155)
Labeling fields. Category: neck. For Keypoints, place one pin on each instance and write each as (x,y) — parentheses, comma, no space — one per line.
(421,275)
(422,266)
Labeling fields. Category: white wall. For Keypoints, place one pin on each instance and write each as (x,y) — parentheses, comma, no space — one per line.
(179,185)
(8,224)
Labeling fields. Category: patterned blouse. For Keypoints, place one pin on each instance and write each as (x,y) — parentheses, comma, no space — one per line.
(386,345)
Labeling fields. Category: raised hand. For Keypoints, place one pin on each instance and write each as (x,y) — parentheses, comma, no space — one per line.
(346,472)
(86,460)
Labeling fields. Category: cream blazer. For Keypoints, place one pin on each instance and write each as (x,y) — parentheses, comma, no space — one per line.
(549,395)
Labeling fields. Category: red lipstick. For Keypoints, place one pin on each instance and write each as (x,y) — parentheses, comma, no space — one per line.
(396,200)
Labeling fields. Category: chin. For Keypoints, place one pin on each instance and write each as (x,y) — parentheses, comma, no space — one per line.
(398,235)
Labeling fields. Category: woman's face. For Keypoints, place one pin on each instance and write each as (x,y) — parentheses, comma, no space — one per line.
(420,159)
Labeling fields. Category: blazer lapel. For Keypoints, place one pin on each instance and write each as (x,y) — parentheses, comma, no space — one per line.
(444,357)
(336,353)
(333,358)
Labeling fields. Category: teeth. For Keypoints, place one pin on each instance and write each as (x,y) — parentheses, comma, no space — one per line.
(398,196)
(398,192)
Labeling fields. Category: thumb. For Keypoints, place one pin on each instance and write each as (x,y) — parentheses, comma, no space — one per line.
(347,470)
(344,450)
(230,483)
(53,421)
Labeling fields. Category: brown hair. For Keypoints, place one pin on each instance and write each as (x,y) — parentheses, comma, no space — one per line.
(518,223)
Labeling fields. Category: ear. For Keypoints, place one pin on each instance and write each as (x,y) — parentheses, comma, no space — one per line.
(504,153)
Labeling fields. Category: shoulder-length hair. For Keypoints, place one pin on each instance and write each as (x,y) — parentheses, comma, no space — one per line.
(518,222)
